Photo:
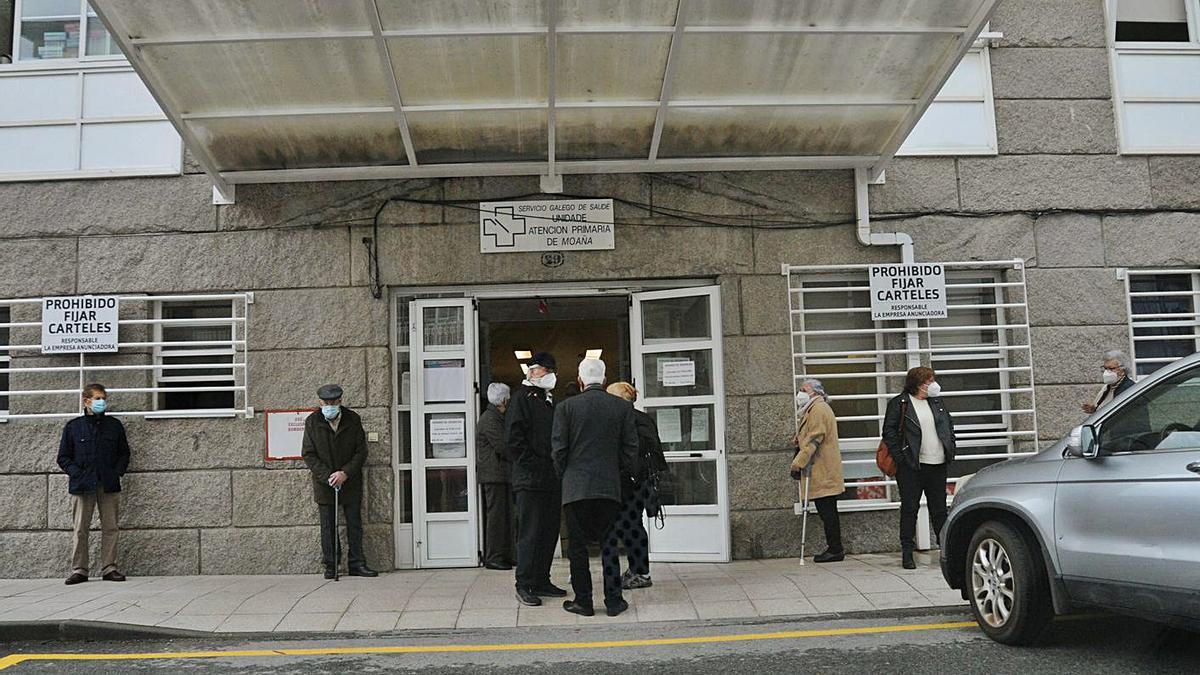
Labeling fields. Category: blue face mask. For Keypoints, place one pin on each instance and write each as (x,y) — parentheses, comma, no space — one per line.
(330,411)
(99,406)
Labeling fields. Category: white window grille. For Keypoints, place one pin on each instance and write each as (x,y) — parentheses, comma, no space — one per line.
(981,353)
(187,360)
(4,358)
(1154,52)
(962,118)
(1164,323)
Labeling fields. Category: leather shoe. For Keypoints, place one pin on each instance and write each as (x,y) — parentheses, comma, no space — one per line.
(549,591)
(329,573)
(75,578)
(362,571)
(614,610)
(497,566)
(829,556)
(526,597)
(906,560)
(578,608)
(113,575)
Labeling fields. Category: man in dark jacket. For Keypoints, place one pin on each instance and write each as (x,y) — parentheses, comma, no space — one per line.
(95,454)
(335,449)
(494,472)
(528,423)
(595,447)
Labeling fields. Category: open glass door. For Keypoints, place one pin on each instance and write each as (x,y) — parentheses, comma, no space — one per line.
(443,432)
(677,365)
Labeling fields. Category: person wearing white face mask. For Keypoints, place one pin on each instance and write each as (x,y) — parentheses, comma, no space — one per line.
(1116,378)
(818,453)
(919,435)
(528,425)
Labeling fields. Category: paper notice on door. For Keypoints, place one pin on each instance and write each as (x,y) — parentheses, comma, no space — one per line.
(444,380)
(662,363)
(680,373)
(699,425)
(446,430)
(670,429)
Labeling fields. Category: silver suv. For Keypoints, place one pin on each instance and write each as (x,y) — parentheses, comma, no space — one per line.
(1108,517)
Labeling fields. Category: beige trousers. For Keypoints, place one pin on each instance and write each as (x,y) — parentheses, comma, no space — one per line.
(82,507)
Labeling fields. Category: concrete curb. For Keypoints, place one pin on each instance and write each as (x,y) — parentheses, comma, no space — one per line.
(102,631)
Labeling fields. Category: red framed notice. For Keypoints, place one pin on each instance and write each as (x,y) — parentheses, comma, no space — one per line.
(285,433)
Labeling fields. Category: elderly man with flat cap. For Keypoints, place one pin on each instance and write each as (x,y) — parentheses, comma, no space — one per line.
(528,424)
(335,450)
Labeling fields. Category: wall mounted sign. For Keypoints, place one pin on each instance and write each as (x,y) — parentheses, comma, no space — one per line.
(80,324)
(908,291)
(552,225)
(285,433)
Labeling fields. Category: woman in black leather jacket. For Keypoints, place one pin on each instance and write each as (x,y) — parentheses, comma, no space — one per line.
(919,434)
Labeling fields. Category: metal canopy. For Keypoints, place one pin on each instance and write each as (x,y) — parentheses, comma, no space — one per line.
(295,90)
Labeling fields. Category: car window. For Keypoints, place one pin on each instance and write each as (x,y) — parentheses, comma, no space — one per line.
(1165,417)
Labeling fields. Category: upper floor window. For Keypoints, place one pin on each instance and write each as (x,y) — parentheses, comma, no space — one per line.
(962,118)
(60,29)
(1154,47)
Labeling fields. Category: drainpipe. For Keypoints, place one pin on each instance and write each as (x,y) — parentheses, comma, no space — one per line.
(912,339)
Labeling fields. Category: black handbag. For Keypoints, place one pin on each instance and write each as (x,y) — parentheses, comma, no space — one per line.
(662,490)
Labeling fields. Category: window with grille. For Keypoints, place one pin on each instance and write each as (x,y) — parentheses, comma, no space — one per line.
(1164,323)
(5,358)
(980,351)
(197,356)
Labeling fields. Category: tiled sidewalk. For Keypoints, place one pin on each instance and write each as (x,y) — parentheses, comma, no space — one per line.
(474,598)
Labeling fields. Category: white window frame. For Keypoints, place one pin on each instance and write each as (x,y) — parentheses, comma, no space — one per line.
(162,350)
(991,144)
(1136,321)
(85,16)
(1118,49)
(1013,336)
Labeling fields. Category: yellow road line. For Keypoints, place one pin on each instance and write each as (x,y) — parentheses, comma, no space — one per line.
(15,659)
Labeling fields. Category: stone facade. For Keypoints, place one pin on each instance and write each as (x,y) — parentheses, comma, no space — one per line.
(200,497)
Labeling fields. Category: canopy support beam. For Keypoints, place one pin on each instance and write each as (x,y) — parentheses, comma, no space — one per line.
(551,182)
(668,74)
(385,55)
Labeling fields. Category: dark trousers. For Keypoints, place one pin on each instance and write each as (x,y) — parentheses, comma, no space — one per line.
(631,533)
(352,517)
(827,509)
(592,520)
(497,523)
(930,479)
(538,519)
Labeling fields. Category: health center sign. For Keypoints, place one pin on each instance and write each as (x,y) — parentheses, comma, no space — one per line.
(79,324)
(547,225)
(909,291)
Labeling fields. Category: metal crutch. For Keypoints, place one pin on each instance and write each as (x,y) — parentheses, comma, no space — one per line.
(337,538)
(804,517)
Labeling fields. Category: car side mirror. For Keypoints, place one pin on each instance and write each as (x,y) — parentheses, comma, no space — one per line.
(1082,442)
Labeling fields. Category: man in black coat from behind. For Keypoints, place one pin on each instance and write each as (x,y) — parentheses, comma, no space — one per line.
(595,447)
(528,423)
(335,449)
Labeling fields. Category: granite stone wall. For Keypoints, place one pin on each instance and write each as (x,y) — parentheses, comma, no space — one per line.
(201,499)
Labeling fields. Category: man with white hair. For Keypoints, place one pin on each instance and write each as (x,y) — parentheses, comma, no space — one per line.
(494,471)
(594,446)
(1117,378)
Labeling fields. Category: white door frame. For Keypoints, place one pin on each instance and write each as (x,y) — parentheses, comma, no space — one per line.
(718,549)
(465,523)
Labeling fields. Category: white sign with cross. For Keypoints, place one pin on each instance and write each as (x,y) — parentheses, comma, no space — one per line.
(549,225)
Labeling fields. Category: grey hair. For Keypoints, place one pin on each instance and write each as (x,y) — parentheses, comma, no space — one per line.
(498,393)
(591,371)
(817,387)
(1118,356)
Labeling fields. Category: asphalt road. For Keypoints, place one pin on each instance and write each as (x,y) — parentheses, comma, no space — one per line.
(901,644)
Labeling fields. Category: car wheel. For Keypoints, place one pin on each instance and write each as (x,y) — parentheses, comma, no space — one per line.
(1006,579)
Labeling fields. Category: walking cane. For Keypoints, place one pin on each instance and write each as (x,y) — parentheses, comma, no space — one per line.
(804,517)
(337,539)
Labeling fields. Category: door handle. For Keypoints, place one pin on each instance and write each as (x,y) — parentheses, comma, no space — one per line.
(1194,467)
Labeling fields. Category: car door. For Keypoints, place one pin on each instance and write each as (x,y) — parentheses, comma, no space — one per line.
(1126,523)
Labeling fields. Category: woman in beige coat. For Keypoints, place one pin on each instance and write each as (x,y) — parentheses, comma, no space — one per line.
(818,452)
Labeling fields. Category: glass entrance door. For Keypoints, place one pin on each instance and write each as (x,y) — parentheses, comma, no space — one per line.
(677,366)
(445,514)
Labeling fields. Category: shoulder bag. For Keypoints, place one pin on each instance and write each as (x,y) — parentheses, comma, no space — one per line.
(883,457)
